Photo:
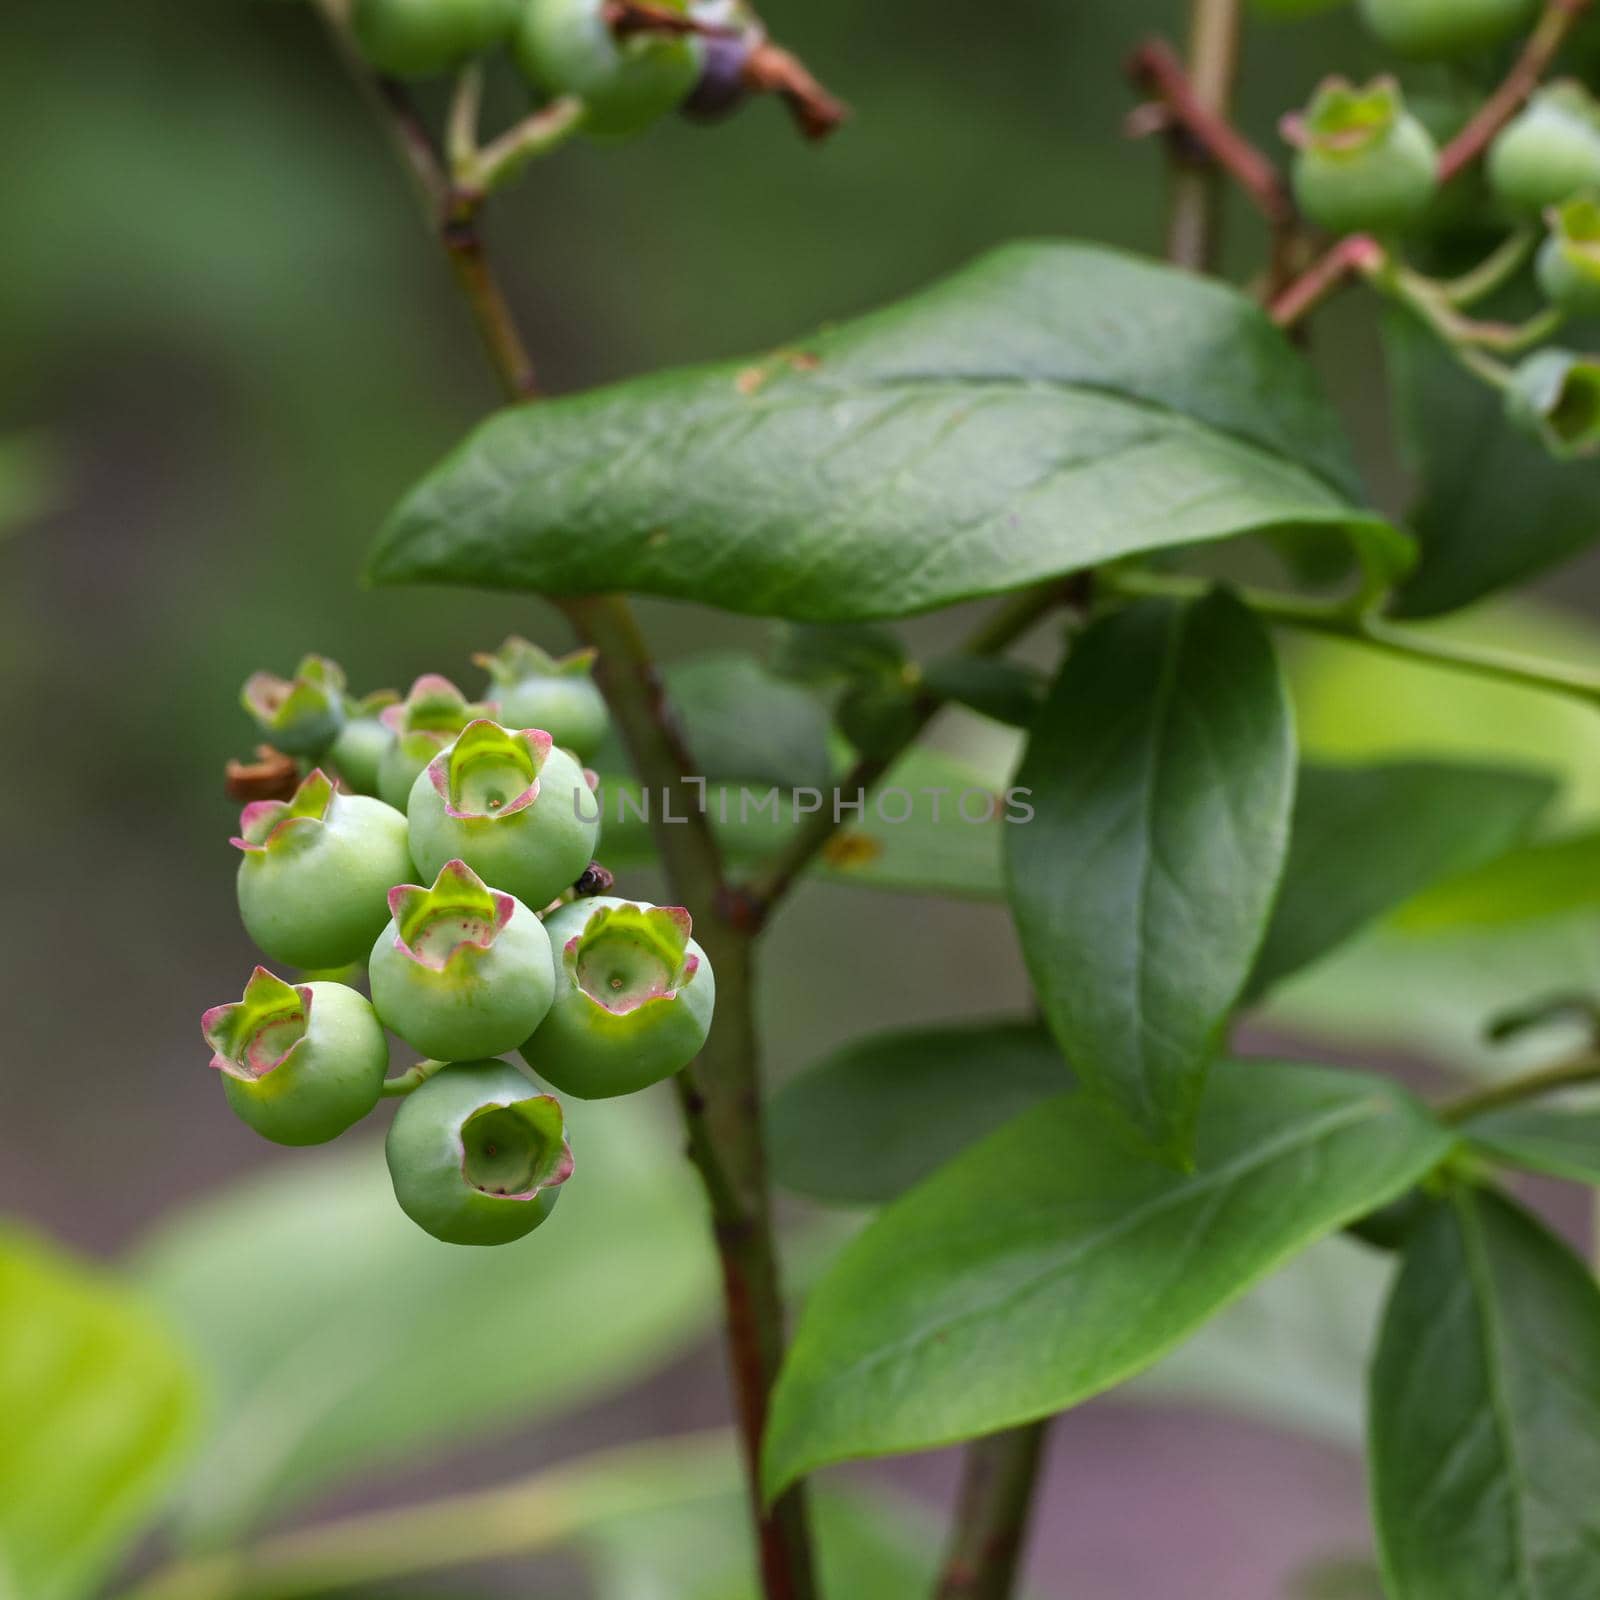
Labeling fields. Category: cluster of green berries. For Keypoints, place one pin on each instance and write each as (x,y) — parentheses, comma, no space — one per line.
(492,953)
(626,77)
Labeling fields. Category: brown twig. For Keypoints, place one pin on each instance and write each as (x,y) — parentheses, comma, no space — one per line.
(1538,55)
(998,1478)
(1325,277)
(769,69)
(627,17)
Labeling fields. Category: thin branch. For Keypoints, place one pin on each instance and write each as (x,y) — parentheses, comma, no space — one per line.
(1197,197)
(1354,254)
(1538,56)
(1532,1086)
(999,1477)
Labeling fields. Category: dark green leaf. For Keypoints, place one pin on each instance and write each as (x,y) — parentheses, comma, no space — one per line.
(1046,1264)
(1053,407)
(343,1340)
(98,1406)
(1495,506)
(1564,1144)
(828,653)
(1367,839)
(744,724)
(881,1114)
(1162,772)
(1485,1412)
(1005,690)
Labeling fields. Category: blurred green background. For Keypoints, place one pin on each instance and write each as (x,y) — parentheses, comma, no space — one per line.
(228,347)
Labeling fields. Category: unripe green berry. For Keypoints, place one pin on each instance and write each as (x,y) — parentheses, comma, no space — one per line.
(1569,261)
(302,715)
(517,810)
(1549,153)
(426,722)
(317,870)
(462,970)
(476,1155)
(421,38)
(1365,164)
(300,1064)
(1555,395)
(566,47)
(1439,29)
(558,694)
(634,998)
(363,739)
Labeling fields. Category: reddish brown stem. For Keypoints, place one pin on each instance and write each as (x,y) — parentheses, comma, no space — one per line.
(998,1483)
(771,70)
(1325,277)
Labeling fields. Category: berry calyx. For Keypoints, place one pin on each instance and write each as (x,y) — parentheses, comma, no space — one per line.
(427,721)
(626,83)
(317,869)
(1555,395)
(362,741)
(477,1155)
(1440,29)
(461,970)
(634,998)
(1569,260)
(301,715)
(1550,152)
(557,693)
(1364,163)
(518,811)
(299,1064)
(421,38)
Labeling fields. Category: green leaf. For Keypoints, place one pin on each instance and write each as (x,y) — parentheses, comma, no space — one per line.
(1564,1144)
(747,725)
(1367,839)
(1052,407)
(1007,691)
(1162,770)
(1495,507)
(99,1407)
(1546,879)
(345,1341)
(878,1116)
(1485,1412)
(1046,1265)
(32,478)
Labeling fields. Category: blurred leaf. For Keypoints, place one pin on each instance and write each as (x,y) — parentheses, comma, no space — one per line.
(878,1116)
(1541,880)
(1349,1578)
(98,1406)
(1162,770)
(344,1340)
(30,480)
(1495,507)
(1563,1144)
(1046,1264)
(1052,407)
(1004,690)
(830,653)
(1485,1412)
(1366,839)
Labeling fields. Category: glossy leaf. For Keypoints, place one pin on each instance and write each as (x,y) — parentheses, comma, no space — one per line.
(1485,1412)
(1052,407)
(1046,1264)
(98,1404)
(1563,1144)
(879,1115)
(1367,839)
(1162,771)
(344,1340)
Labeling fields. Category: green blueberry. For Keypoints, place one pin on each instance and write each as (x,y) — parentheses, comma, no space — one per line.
(299,1064)
(517,810)
(462,970)
(1439,29)
(477,1155)
(566,47)
(317,870)
(420,726)
(1364,163)
(1555,396)
(363,739)
(301,715)
(634,998)
(1550,152)
(1569,261)
(422,38)
(556,693)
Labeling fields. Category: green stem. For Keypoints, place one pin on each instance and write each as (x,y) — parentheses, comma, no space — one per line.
(1495,271)
(999,1475)
(411,1079)
(551,1508)
(1337,620)
(1532,1086)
